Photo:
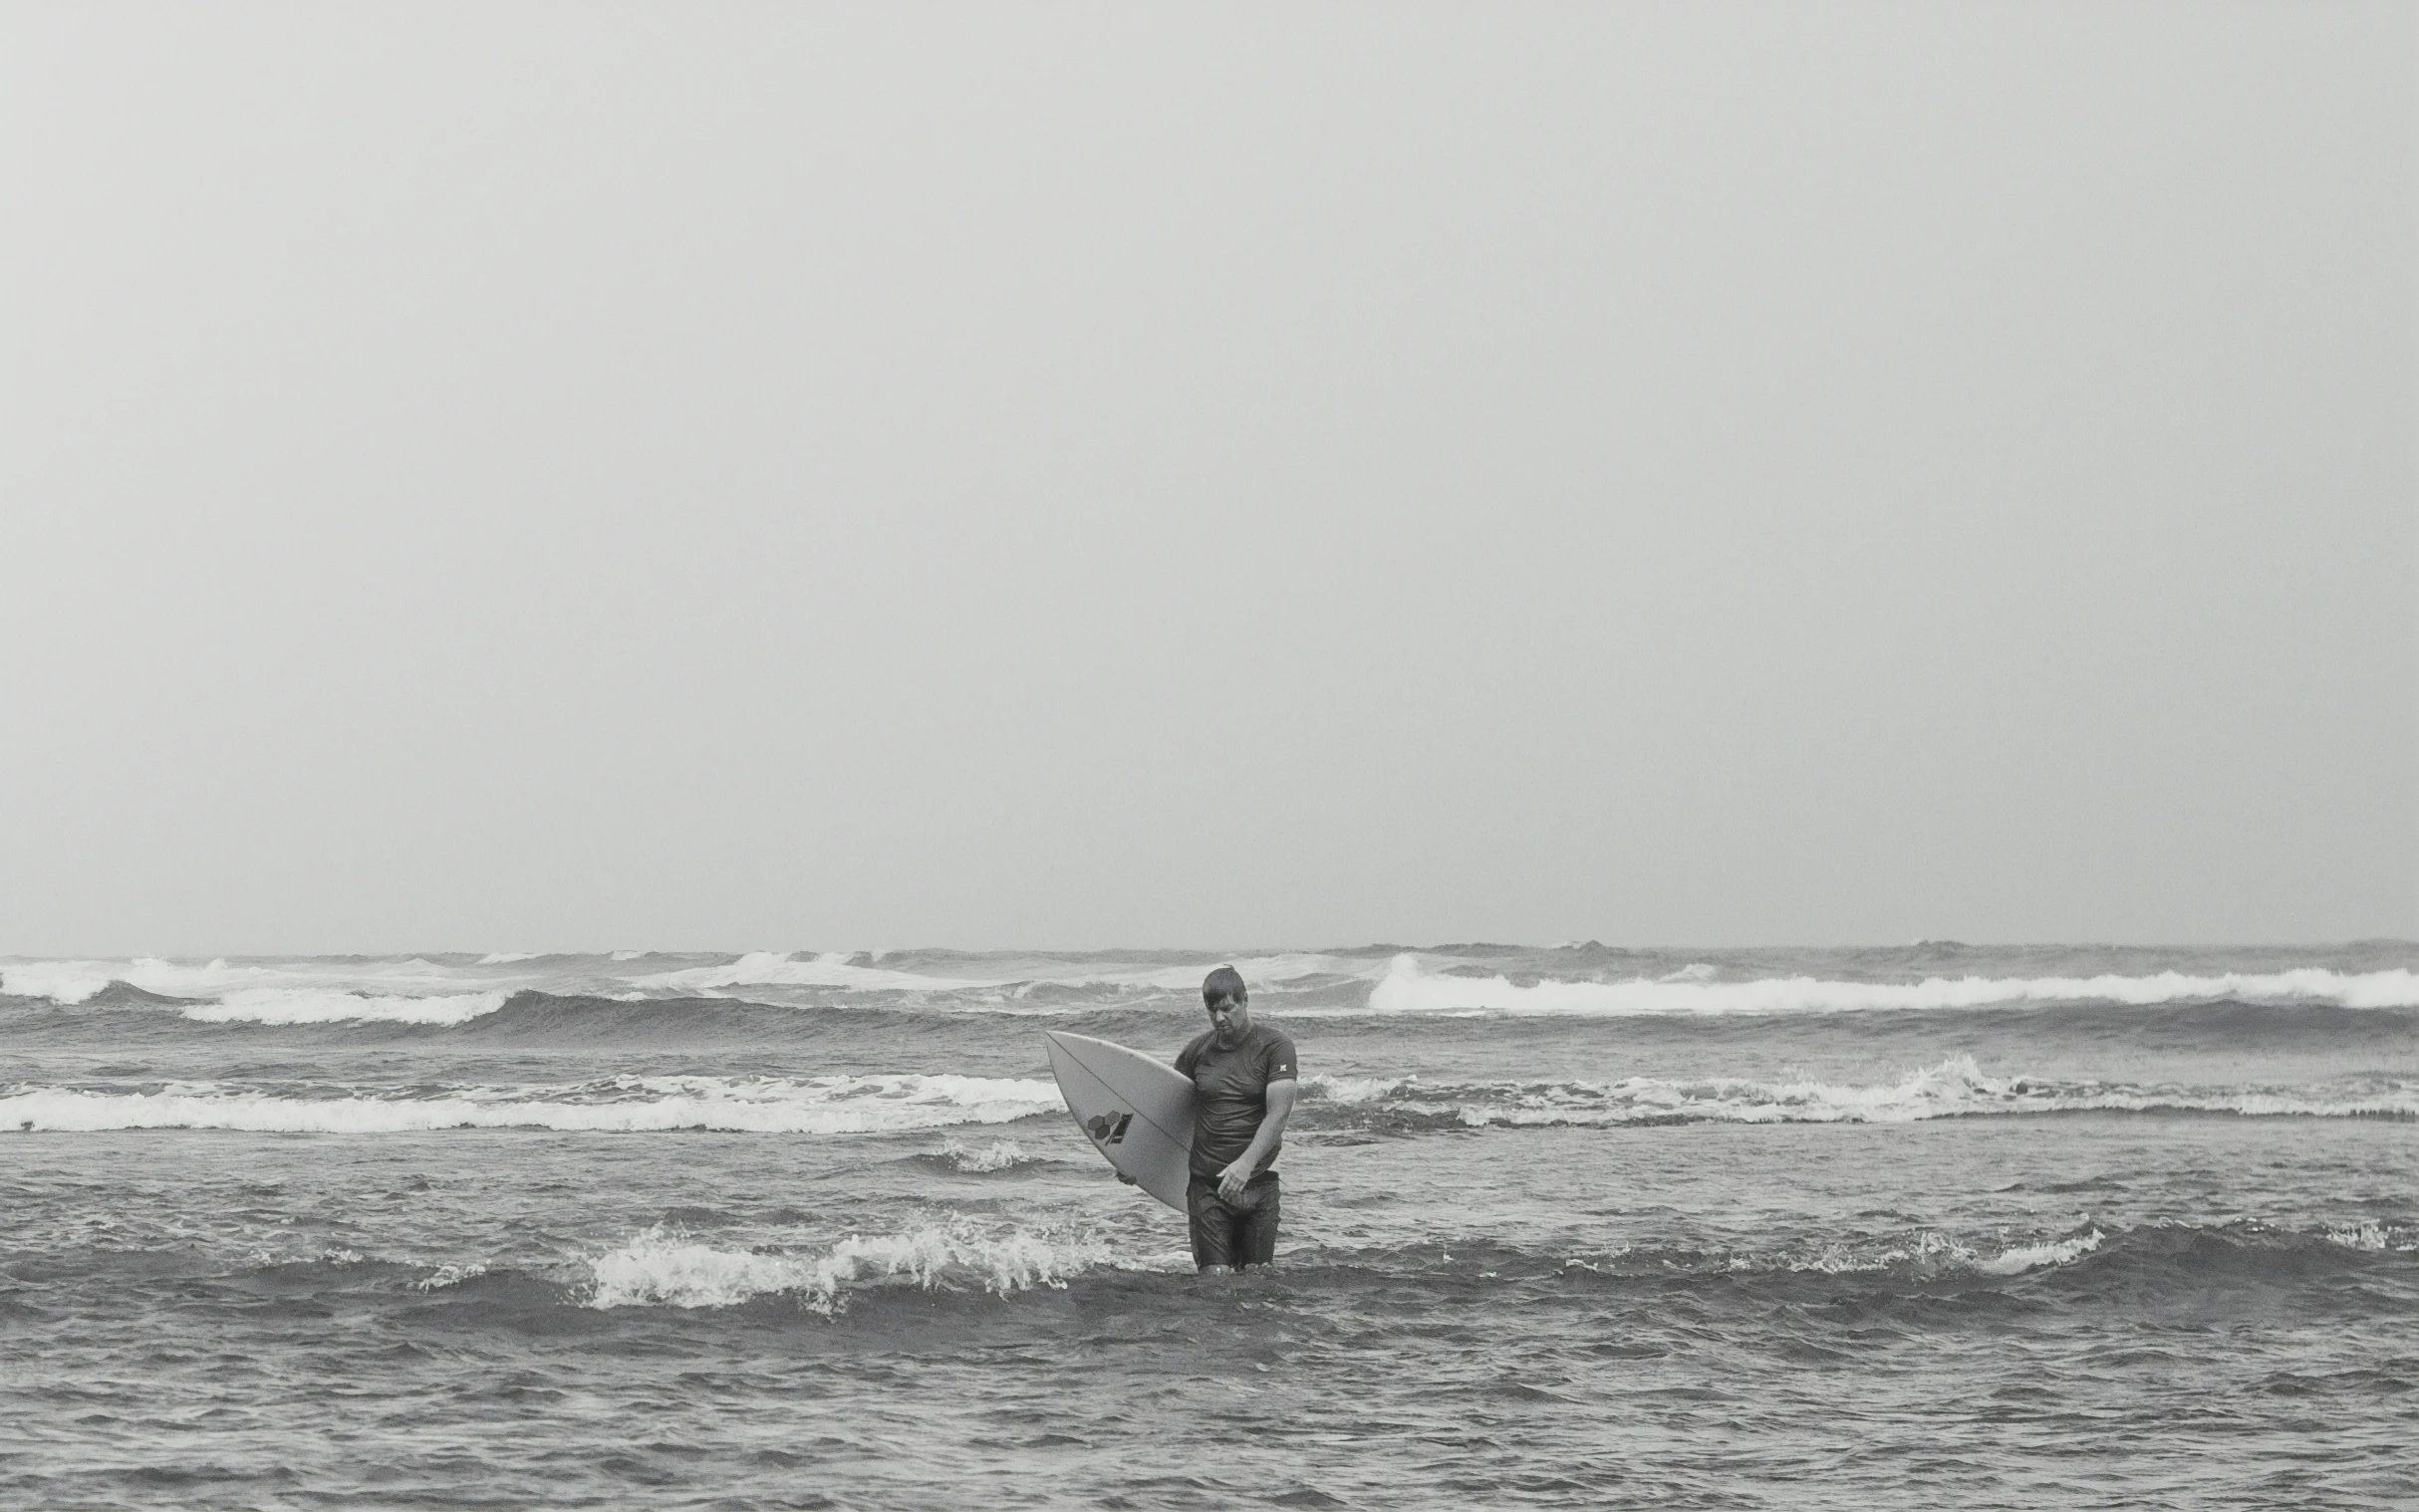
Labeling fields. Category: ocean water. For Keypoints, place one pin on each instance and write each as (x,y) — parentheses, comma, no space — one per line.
(1575,1226)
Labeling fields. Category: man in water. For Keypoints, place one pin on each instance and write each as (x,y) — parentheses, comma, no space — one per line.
(1243,1089)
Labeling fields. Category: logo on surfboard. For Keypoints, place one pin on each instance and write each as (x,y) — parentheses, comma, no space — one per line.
(1108,1128)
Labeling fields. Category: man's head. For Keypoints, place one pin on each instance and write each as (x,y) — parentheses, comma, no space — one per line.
(1229,1004)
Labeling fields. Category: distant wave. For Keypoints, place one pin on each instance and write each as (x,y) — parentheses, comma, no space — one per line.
(1410,986)
(858,973)
(769,968)
(455,991)
(1956,1087)
(1261,971)
(280,992)
(78,980)
(332,990)
(542,1017)
(295,1005)
(629,1104)
(668,1269)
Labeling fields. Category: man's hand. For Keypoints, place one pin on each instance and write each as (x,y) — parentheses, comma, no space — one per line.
(1128,1180)
(1263,1144)
(1230,1180)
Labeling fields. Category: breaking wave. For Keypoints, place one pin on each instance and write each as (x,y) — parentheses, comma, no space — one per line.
(1956,1087)
(1349,1090)
(625,1105)
(291,1005)
(464,991)
(1923,1253)
(769,968)
(1933,1251)
(446,1276)
(665,1268)
(1410,986)
(1010,980)
(877,1103)
(987,1160)
(220,982)
(2091,1258)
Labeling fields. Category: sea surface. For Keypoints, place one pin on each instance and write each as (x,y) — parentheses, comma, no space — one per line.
(1574,1226)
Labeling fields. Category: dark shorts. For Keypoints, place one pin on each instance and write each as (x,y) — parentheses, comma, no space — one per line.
(1237,1233)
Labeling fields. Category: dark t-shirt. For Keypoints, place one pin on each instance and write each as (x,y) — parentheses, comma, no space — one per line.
(1232,1088)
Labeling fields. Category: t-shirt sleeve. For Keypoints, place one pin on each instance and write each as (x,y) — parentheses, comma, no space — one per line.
(1188,1057)
(1276,1060)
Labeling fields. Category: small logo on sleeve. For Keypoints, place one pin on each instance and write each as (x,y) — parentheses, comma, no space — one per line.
(1108,1128)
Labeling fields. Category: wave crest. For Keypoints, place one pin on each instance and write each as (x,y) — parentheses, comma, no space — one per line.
(1410,987)
(1956,1087)
(663,1268)
(295,1005)
(987,1160)
(627,1104)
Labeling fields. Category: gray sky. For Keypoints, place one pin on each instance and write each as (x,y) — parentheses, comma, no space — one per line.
(577,476)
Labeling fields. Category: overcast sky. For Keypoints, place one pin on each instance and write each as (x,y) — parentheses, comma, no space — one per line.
(772,476)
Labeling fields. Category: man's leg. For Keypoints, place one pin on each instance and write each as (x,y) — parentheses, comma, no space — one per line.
(1211,1225)
(1255,1233)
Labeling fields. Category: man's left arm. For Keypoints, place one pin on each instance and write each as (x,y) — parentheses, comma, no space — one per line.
(1272,1127)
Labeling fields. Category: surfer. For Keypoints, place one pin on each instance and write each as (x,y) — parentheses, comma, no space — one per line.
(1243,1083)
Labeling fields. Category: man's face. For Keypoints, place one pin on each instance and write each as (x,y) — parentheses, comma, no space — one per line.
(1231,1017)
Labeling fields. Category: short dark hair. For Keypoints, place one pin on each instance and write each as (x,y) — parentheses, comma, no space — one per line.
(1225,982)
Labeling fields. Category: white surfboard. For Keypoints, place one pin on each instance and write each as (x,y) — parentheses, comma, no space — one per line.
(1135,1111)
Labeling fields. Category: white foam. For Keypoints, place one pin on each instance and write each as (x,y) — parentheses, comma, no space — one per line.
(1335,1089)
(508,958)
(2372,1237)
(298,1005)
(448,1276)
(1410,986)
(839,971)
(665,1269)
(1956,1087)
(222,982)
(1935,1251)
(60,981)
(999,1154)
(2032,1257)
(823,1106)
(1257,971)
(770,968)
(1928,1248)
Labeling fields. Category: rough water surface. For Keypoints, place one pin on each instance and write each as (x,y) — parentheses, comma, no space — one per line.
(1580,1226)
